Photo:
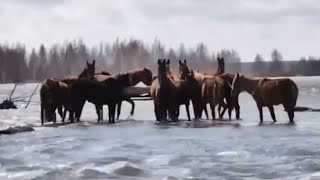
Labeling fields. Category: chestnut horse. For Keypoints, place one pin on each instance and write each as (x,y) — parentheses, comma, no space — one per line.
(268,92)
(200,77)
(163,92)
(52,92)
(213,92)
(109,92)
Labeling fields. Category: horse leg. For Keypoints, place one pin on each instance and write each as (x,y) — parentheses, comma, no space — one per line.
(188,112)
(132,106)
(101,112)
(229,106)
(109,114)
(156,111)
(178,112)
(60,111)
(205,110)
(98,111)
(212,106)
(290,111)
(273,116)
(260,113)
(237,108)
(119,109)
(224,106)
(42,111)
(64,114)
(113,112)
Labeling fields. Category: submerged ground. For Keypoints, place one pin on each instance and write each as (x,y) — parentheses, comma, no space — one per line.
(139,148)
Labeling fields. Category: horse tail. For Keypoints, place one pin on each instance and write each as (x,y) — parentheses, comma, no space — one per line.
(294,93)
(204,90)
(42,102)
(215,93)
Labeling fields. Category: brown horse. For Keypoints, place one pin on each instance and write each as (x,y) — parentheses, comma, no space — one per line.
(268,92)
(163,92)
(49,103)
(214,92)
(109,92)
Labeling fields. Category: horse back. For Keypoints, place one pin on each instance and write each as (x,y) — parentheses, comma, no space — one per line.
(278,91)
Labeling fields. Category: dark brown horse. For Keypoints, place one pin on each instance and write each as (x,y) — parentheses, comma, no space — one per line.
(54,95)
(228,77)
(268,92)
(163,92)
(145,76)
(109,92)
(191,88)
(50,93)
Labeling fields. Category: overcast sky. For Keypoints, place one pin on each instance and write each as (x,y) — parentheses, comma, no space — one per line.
(248,26)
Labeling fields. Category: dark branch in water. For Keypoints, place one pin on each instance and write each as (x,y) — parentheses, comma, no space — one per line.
(304,109)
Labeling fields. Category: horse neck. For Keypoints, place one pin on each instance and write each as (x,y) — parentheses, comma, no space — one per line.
(133,78)
(165,80)
(249,84)
(83,74)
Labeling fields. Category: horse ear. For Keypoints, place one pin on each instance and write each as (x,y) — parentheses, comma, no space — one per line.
(87,63)
(237,74)
(159,61)
(180,62)
(185,61)
(168,61)
(93,62)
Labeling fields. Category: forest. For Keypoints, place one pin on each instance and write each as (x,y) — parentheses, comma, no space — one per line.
(17,65)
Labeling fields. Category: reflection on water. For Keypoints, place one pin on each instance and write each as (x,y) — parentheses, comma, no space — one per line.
(141,148)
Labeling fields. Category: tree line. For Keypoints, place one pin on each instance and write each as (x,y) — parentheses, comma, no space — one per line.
(68,59)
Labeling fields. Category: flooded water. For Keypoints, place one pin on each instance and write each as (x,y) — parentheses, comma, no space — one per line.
(139,148)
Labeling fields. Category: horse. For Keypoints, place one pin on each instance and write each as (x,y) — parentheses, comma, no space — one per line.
(200,78)
(192,88)
(47,93)
(228,77)
(268,92)
(54,95)
(109,92)
(163,93)
(214,92)
(145,76)
(189,89)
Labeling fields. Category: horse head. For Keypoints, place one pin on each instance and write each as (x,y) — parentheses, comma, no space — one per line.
(183,69)
(146,76)
(89,71)
(124,79)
